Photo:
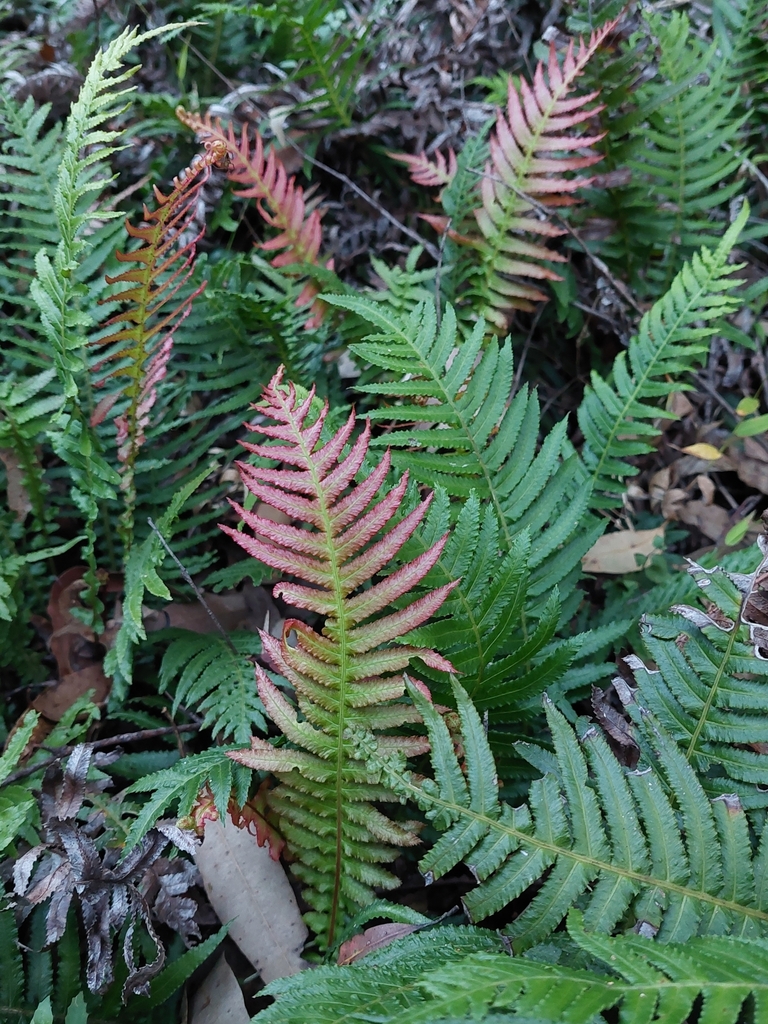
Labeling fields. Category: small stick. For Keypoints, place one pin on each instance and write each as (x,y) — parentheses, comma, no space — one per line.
(105,744)
(198,592)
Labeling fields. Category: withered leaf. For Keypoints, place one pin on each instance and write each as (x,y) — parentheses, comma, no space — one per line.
(616,726)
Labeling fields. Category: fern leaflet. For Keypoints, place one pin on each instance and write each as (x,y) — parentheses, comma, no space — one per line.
(589,832)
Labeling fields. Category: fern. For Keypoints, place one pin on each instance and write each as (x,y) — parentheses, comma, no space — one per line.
(708,689)
(523,164)
(155,290)
(141,576)
(466,435)
(589,833)
(280,201)
(436,977)
(497,627)
(679,134)
(180,786)
(346,679)
(217,681)
(616,418)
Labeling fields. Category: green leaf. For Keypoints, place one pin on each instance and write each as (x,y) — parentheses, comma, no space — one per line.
(749,428)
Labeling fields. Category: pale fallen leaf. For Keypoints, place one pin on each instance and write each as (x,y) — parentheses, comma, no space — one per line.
(679,405)
(712,520)
(614,553)
(250,890)
(707,488)
(219,999)
(371,939)
(702,450)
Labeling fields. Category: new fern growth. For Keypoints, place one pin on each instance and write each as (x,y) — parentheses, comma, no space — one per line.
(538,124)
(348,678)
(280,201)
(158,302)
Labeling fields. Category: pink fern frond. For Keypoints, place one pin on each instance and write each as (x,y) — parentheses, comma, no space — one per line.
(432,173)
(282,204)
(155,303)
(540,121)
(347,676)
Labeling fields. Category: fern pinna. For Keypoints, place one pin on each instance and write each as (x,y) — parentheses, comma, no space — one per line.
(158,302)
(280,201)
(349,678)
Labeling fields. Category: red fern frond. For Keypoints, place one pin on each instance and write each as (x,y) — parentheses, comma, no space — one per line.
(428,172)
(156,304)
(534,144)
(281,203)
(348,678)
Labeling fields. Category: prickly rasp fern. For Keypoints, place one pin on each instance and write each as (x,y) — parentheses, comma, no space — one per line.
(457,426)
(348,678)
(537,125)
(450,974)
(617,417)
(679,135)
(280,201)
(590,832)
(158,301)
(708,685)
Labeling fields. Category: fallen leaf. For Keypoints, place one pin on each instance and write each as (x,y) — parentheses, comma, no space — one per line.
(219,999)
(707,488)
(18,498)
(712,520)
(679,405)
(371,939)
(250,890)
(702,450)
(614,553)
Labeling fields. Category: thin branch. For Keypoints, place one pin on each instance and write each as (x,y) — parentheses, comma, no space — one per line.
(105,744)
(198,592)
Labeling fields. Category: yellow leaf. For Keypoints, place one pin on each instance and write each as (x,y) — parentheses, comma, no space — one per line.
(703,451)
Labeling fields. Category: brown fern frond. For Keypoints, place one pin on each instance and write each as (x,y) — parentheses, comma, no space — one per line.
(156,303)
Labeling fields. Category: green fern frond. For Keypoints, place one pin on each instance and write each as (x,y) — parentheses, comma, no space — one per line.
(434,977)
(590,832)
(141,576)
(178,787)
(708,689)
(465,434)
(383,986)
(679,133)
(499,626)
(617,418)
(203,672)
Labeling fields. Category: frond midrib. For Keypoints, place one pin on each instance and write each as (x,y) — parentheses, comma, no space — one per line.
(457,811)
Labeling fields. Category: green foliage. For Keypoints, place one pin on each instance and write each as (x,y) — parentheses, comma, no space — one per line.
(590,833)
(429,979)
(178,787)
(217,681)
(465,434)
(708,686)
(16,803)
(616,418)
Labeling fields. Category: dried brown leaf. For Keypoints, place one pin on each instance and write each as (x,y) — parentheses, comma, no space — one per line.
(615,553)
